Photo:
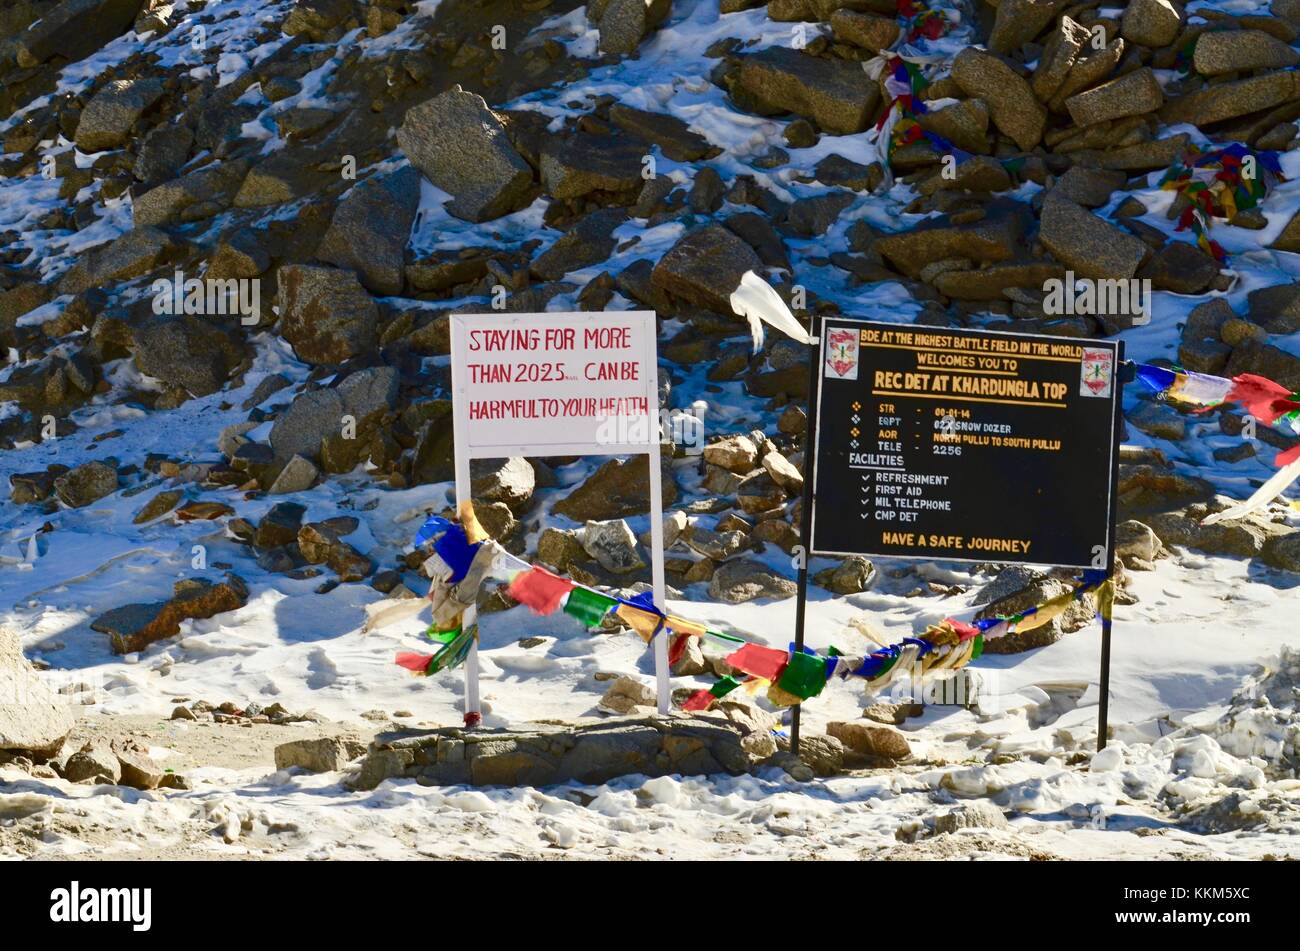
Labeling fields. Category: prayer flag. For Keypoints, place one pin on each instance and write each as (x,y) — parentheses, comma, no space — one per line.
(588,606)
(540,590)
(764,662)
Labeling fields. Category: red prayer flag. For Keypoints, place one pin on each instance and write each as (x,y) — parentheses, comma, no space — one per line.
(677,648)
(765,662)
(540,590)
(964,631)
(412,661)
(699,700)
(1288,457)
(1261,397)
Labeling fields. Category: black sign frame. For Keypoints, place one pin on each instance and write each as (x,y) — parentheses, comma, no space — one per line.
(808,510)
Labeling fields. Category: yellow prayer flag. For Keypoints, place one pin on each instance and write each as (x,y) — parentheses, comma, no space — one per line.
(474,532)
(641,621)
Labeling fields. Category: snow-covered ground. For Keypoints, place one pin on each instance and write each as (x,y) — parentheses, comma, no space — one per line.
(1202,625)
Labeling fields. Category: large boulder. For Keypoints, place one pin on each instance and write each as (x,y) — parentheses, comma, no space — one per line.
(1130,95)
(1231,51)
(586,164)
(1019,21)
(33,720)
(671,134)
(325,313)
(200,194)
(1091,247)
(134,254)
(624,24)
(1151,23)
(1012,105)
(1228,100)
(746,579)
(460,145)
(133,627)
(75,29)
(992,239)
(193,353)
(705,266)
(835,94)
(87,483)
(312,417)
(618,489)
(113,112)
(587,243)
(371,227)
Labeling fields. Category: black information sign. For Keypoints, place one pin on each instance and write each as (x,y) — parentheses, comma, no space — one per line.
(965,445)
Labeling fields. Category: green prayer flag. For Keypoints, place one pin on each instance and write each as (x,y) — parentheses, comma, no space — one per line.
(978,648)
(588,606)
(724,686)
(442,637)
(804,676)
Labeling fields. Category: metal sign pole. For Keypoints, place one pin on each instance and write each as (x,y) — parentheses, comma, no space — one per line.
(1103,708)
(805,516)
(473,715)
(662,688)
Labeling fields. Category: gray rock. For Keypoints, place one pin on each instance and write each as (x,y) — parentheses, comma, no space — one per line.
(625,23)
(1227,100)
(993,238)
(327,754)
(1012,105)
(1159,420)
(870,739)
(1018,21)
(813,217)
(162,152)
(33,720)
(314,416)
(745,579)
(971,815)
(1181,267)
(1087,244)
(370,229)
(1136,545)
(74,29)
(1275,308)
(1089,187)
(368,392)
(612,544)
(1283,551)
(617,489)
(460,145)
(587,243)
(586,164)
(87,483)
(1061,51)
(325,313)
(200,194)
(95,760)
(1130,95)
(671,134)
(1229,51)
(193,353)
(851,576)
(511,481)
(279,526)
(836,95)
(134,254)
(965,124)
(1151,23)
(298,475)
(239,255)
(866,30)
(705,266)
(111,114)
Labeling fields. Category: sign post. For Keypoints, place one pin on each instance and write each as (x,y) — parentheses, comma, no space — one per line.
(963,445)
(558,384)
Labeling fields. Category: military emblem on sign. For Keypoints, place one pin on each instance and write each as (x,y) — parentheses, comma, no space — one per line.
(842,354)
(1098,373)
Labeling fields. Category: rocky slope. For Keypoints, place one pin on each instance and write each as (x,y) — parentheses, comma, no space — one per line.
(342,175)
